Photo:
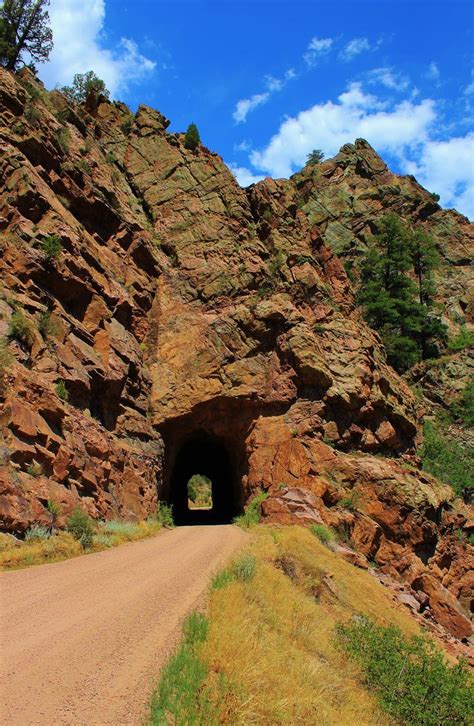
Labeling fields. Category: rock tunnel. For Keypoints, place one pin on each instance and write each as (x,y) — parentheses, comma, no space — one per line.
(205,454)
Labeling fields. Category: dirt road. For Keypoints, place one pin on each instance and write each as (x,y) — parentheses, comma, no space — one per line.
(82,641)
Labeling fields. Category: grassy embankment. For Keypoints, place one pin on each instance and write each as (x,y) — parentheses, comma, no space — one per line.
(271,649)
(83,536)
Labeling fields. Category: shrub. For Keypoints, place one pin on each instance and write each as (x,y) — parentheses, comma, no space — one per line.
(63,138)
(323,533)
(6,359)
(411,678)
(82,527)
(446,459)
(21,329)
(251,516)
(37,531)
(47,326)
(192,138)
(351,501)
(61,391)
(126,124)
(32,114)
(52,247)
(54,509)
(164,514)
(244,567)
(84,166)
(465,339)
(35,469)
(463,409)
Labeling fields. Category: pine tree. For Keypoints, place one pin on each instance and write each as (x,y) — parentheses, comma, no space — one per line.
(400,309)
(24,28)
(315,157)
(192,138)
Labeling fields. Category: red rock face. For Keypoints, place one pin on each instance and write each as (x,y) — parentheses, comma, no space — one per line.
(181,306)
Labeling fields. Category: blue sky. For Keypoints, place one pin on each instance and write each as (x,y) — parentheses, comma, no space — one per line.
(267,81)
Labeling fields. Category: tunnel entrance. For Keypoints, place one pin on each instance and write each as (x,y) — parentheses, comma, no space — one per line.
(203,458)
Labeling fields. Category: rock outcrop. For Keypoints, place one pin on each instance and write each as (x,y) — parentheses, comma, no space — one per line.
(179,305)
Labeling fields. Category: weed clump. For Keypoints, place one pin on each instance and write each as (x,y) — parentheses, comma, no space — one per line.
(325,534)
(411,679)
(21,329)
(52,247)
(61,391)
(37,532)
(251,516)
(82,527)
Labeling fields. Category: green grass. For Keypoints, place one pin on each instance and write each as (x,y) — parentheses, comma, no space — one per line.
(251,516)
(178,698)
(446,459)
(164,515)
(465,339)
(411,679)
(325,534)
(21,329)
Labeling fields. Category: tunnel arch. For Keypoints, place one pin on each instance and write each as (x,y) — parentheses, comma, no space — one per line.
(205,454)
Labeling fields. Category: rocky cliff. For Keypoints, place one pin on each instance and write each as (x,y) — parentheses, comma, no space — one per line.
(184,323)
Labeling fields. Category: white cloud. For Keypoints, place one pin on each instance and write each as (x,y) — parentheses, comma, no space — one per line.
(447,168)
(244,176)
(433,71)
(329,125)
(388,78)
(469,90)
(273,85)
(316,48)
(79,47)
(354,47)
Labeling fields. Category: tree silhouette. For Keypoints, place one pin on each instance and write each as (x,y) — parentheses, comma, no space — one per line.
(24,28)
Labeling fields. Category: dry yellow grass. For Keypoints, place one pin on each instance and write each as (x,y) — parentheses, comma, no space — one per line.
(62,546)
(270,648)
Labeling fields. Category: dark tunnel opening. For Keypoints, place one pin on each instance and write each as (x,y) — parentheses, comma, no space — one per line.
(206,456)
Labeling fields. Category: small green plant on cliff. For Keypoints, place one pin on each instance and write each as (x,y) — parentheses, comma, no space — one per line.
(31,113)
(35,470)
(323,533)
(82,527)
(21,329)
(55,511)
(252,513)
(61,390)
(63,137)
(411,678)
(51,247)
(126,124)
(6,360)
(47,325)
(351,500)
(192,138)
(465,339)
